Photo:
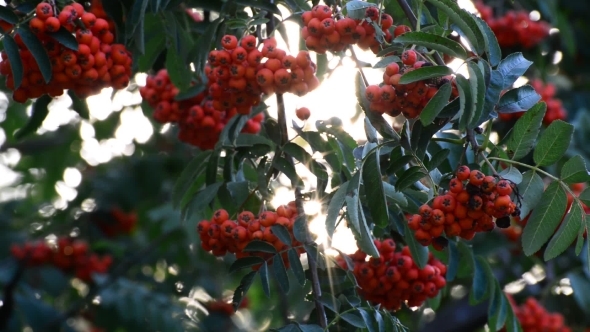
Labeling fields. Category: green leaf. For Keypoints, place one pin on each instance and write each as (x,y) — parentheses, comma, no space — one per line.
(260,246)
(511,173)
(282,233)
(463,21)
(334,208)
(187,176)
(280,273)
(264,280)
(16,63)
(525,131)
(467,103)
(453,261)
(288,169)
(179,73)
(355,9)
(373,185)
(384,62)
(567,232)
(512,323)
(245,262)
(478,92)
(467,259)
(370,131)
(483,281)
(497,309)
(199,201)
(513,67)
(37,50)
(425,73)
(553,143)
(353,319)
(65,38)
(242,289)
(493,51)
(366,243)
(368,320)
(518,100)
(574,170)
(418,251)
(394,196)
(436,104)
(310,328)
(40,111)
(434,42)
(305,158)
(544,219)
(79,106)
(352,207)
(329,301)
(531,188)
(409,177)
(296,266)
(437,159)
(585,196)
(137,16)
(247,140)
(8,15)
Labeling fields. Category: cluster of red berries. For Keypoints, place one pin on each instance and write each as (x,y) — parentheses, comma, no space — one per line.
(534,317)
(71,256)
(221,235)
(240,73)
(394,278)
(115,222)
(515,28)
(393,98)
(555,109)
(323,33)
(472,203)
(98,63)
(199,121)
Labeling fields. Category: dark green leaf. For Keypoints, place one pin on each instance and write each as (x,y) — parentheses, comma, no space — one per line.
(329,301)
(394,196)
(386,61)
(179,73)
(373,184)
(497,309)
(305,158)
(425,73)
(280,273)
(437,159)
(531,188)
(366,243)
(525,131)
(245,139)
(453,261)
(282,233)
(198,202)
(370,131)
(296,266)
(310,328)
(418,251)
(409,177)
(187,176)
(467,103)
(40,111)
(478,92)
(288,169)
(353,320)
(245,262)
(190,92)
(544,219)
(567,232)
(585,196)
(368,320)
(7,15)
(574,170)
(511,173)
(137,16)
(264,280)
(463,21)
(242,289)
(436,104)
(553,143)
(37,50)
(16,63)
(79,105)
(65,38)
(435,42)
(513,67)
(518,100)
(260,246)
(493,51)
(352,206)
(483,281)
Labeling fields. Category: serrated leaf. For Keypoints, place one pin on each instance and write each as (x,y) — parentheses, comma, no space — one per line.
(434,42)
(574,171)
(409,177)
(525,131)
(65,38)
(453,261)
(352,208)
(493,51)
(329,301)
(512,67)
(379,320)
(334,208)
(282,233)
(567,232)
(366,242)
(482,281)
(553,143)
(288,169)
(544,219)
(511,173)
(437,159)
(436,104)
(16,63)
(261,246)
(368,320)
(373,185)
(518,100)
(393,195)
(370,131)
(418,251)
(37,50)
(355,9)
(200,200)
(264,279)
(463,21)
(296,266)
(478,92)
(242,289)
(187,177)
(40,111)
(179,73)
(531,188)
(353,320)
(245,262)
(280,273)
(467,103)
(425,73)
(497,309)
(305,158)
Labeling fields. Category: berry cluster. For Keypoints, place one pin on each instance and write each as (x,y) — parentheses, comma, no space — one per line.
(221,235)
(115,222)
(71,256)
(394,278)
(534,317)
(97,63)
(555,110)
(515,28)
(199,121)
(470,206)
(393,98)
(239,73)
(323,33)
